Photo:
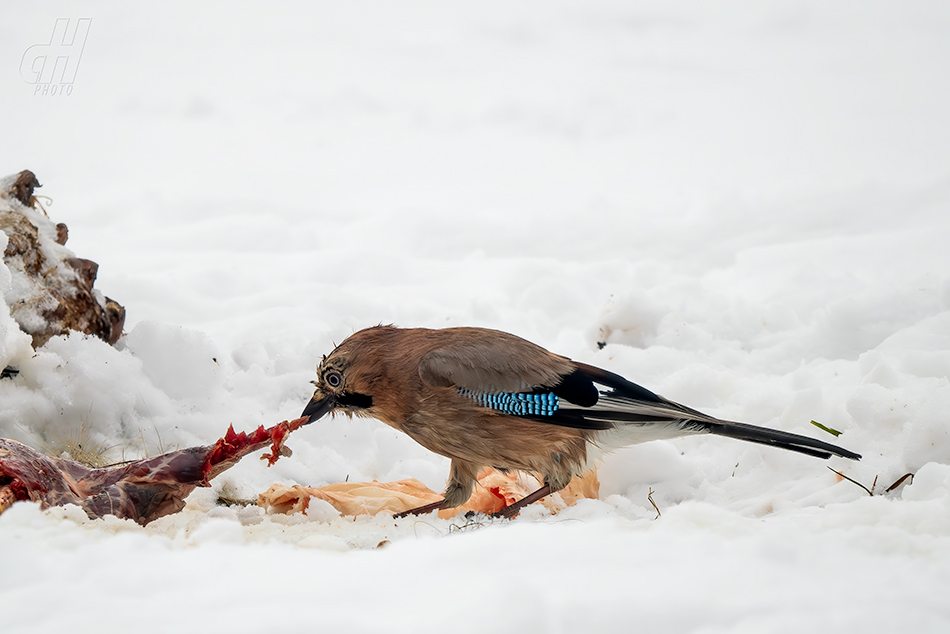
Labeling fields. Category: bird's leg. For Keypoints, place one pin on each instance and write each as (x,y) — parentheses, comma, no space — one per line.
(515,507)
(507,512)
(421,510)
(459,489)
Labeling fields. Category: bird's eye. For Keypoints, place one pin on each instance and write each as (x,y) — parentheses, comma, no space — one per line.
(333,378)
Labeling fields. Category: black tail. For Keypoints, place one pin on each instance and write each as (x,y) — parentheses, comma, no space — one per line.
(643,406)
(776,438)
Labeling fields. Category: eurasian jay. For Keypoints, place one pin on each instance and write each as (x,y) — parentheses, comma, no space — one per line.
(489,398)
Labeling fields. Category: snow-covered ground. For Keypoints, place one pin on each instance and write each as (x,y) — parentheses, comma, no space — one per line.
(749,204)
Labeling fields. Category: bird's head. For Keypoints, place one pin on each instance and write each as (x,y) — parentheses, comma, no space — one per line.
(347,378)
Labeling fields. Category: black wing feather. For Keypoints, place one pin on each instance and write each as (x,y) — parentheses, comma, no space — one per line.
(620,385)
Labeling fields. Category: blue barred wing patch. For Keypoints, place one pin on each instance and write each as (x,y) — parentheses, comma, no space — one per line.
(515,403)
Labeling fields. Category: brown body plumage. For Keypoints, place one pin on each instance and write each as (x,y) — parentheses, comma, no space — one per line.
(431,384)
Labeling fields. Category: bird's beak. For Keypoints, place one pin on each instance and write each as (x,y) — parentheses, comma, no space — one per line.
(318,406)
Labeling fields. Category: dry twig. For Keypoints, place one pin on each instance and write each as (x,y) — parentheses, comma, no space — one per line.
(655,507)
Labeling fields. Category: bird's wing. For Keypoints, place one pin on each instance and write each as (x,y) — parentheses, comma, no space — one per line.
(493,365)
(516,377)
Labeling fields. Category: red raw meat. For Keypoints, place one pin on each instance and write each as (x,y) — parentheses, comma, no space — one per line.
(143,490)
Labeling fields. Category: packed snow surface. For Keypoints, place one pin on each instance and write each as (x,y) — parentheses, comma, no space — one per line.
(745,207)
